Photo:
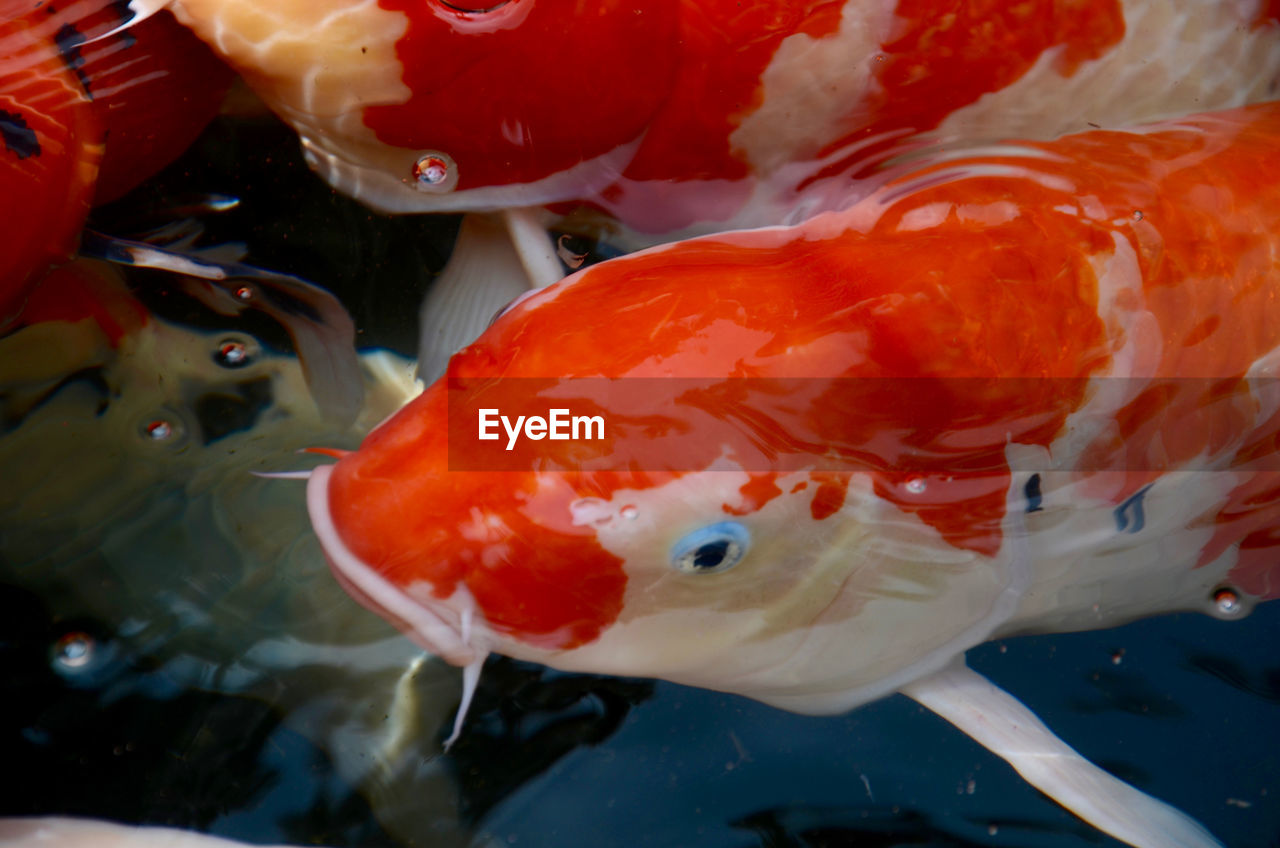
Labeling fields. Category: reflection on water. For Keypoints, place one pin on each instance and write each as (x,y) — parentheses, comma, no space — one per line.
(176,652)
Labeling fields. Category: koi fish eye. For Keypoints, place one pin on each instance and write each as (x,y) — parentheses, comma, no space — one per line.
(711,549)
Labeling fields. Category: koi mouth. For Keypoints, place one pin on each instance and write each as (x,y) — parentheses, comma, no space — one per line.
(456,643)
(474,8)
(453,641)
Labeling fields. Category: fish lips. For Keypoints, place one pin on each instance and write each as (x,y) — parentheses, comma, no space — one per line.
(427,626)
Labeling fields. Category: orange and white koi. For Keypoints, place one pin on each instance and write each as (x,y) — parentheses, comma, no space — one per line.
(670,114)
(1027,386)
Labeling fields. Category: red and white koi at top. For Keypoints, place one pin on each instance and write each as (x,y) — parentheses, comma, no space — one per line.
(1082,334)
(672,114)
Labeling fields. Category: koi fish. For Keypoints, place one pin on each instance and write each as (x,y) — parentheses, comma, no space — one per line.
(129,445)
(1024,387)
(677,118)
(71,77)
(672,114)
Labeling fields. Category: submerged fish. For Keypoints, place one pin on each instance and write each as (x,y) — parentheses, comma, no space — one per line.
(669,114)
(1028,387)
(130,447)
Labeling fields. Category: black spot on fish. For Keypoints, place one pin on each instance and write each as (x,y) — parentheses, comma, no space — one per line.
(19,139)
(1032,492)
(222,413)
(69,39)
(1129,515)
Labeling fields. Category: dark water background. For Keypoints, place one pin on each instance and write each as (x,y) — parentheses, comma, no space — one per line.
(1185,707)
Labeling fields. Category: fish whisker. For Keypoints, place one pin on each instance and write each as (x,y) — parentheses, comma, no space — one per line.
(283,475)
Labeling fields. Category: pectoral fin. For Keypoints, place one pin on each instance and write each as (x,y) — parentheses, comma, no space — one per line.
(483,275)
(1004,725)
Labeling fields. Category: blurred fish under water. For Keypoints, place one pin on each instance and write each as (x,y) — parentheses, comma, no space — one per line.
(175,648)
(176,652)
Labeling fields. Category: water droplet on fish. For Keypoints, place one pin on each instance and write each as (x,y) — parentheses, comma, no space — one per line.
(916,485)
(1137,214)
(629,512)
(73,650)
(159,429)
(244,293)
(434,172)
(1227,601)
(231,353)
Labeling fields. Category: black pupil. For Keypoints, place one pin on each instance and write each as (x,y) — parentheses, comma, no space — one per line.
(712,554)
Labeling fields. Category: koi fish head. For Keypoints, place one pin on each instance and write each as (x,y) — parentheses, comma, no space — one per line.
(756,584)
(744,525)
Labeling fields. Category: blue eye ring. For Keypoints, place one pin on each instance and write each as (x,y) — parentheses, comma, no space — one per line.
(711,549)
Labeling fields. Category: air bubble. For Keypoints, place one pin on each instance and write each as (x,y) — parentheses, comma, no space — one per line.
(244,293)
(1137,214)
(159,429)
(916,485)
(629,512)
(73,650)
(231,353)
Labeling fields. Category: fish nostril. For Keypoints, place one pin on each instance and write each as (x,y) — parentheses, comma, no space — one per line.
(434,172)
(233,352)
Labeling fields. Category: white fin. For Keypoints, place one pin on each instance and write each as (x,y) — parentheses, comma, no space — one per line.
(534,246)
(484,274)
(320,327)
(1004,725)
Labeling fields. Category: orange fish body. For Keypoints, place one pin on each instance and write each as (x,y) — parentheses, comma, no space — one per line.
(85,115)
(49,159)
(1023,387)
(672,114)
